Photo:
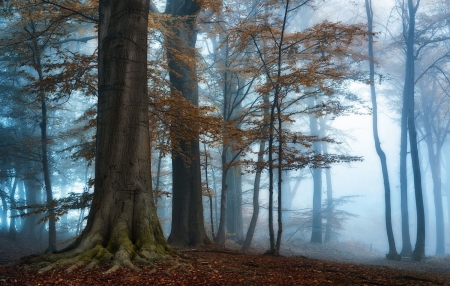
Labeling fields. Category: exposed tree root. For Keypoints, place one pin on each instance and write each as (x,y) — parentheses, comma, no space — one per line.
(125,256)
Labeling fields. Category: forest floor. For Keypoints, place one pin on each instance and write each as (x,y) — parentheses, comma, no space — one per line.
(301,264)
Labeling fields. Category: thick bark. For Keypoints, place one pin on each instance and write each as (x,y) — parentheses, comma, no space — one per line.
(122,224)
(392,255)
(187,209)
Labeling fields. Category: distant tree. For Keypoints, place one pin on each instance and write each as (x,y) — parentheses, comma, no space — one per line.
(46,76)
(434,125)
(392,255)
(187,209)
(295,66)
(409,11)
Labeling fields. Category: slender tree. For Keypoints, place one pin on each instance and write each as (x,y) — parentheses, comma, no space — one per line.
(392,255)
(408,111)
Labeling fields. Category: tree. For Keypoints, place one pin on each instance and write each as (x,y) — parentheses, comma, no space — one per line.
(47,74)
(392,255)
(122,224)
(187,209)
(408,123)
(316,234)
(296,65)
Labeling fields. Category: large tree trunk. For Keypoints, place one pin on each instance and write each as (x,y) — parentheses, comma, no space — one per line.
(187,208)
(392,255)
(122,223)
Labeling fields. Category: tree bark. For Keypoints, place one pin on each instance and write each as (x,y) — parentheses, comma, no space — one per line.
(12,223)
(122,224)
(4,212)
(434,146)
(392,255)
(256,186)
(408,103)
(33,196)
(187,208)
(316,235)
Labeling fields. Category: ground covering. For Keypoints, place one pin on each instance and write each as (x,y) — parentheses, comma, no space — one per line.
(216,266)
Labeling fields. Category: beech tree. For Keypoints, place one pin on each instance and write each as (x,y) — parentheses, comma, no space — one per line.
(187,209)
(296,66)
(432,82)
(392,255)
(47,74)
(409,124)
(122,224)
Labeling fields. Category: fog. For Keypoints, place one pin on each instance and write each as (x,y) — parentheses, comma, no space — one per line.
(359,219)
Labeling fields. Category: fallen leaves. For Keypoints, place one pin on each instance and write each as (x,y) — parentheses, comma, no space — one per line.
(208,267)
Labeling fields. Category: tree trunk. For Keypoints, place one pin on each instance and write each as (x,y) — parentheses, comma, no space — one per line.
(220,239)
(187,208)
(21,201)
(447,181)
(33,196)
(316,235)
(12,224)
(44,149)
(4,212)
(259,168)
(392,255)
(434,147)
(408,103)
(435,165)
(231,209)
(122,223)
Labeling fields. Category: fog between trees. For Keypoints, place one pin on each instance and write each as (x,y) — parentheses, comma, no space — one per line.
(133,128)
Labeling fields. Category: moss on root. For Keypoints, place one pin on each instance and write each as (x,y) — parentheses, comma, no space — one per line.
(120,252)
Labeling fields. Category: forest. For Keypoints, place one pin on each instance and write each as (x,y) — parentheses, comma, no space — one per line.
(136,133)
